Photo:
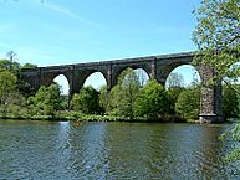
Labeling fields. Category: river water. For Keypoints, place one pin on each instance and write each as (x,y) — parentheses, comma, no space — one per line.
(72,151)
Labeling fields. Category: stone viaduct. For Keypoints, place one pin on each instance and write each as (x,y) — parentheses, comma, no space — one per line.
(157,67)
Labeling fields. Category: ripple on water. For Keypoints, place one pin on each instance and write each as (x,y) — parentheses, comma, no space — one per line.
(112,151)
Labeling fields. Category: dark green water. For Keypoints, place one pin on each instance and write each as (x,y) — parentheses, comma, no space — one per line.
(69,151)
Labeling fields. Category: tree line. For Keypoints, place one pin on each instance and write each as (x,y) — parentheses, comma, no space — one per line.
(128,100)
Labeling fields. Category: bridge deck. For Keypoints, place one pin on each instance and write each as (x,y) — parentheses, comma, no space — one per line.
(117,62)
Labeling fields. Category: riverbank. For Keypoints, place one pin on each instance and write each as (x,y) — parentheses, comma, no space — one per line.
(99,118)
(70,116)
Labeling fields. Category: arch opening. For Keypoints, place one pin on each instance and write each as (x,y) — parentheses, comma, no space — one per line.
(142,75)
(183,87)
(95,80)
(183,76)
(62,81)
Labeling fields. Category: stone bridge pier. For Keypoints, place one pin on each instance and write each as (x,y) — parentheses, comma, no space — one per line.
(157,67)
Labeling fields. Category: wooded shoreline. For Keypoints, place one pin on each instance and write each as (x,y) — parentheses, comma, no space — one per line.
(107,119)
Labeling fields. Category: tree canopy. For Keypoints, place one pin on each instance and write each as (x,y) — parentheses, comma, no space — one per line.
(217,35)
(123,95)
(87,101)
(6,65)
(188,103)
(8,85)
(152,100)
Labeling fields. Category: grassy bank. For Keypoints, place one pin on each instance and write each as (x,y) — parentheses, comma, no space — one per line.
(73,115)
(64,115)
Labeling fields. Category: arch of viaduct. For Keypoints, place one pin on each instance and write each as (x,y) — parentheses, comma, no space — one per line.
(157,67)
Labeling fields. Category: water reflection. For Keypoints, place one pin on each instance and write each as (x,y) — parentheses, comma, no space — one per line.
(73,150)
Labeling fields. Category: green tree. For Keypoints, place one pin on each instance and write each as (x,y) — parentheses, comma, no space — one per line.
(173,94)
(46,101)
(123,96)
(188,103)
(52,101)
(86,101)
(8,86)
(11,97)
(152,100)
(36,103)
(233,136)
(6,65)
(16,104)
(104,99)
(115,97)
(14,67)
(217,36)
(24,88)
(64,101)
(231,103)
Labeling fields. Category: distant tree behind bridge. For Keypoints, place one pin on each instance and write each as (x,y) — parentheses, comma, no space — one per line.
(175,80)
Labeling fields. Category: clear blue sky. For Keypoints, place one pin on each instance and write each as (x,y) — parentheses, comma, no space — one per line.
(66,32)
